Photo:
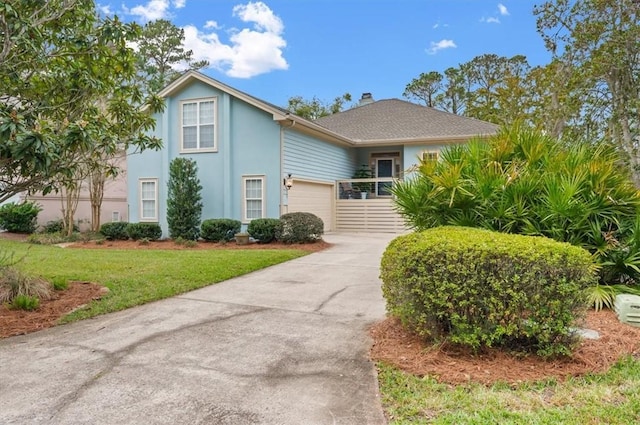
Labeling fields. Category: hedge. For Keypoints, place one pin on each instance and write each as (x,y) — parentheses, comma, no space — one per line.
(219,229)
(479,288)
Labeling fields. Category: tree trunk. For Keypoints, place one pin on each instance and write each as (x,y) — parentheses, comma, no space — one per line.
(96,194)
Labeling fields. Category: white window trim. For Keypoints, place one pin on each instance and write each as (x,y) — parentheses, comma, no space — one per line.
(215,124)
(262,177)
(153,219)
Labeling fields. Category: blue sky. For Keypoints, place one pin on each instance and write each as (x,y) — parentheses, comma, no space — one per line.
(275,49)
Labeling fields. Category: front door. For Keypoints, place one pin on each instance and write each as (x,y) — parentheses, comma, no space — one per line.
(384,169)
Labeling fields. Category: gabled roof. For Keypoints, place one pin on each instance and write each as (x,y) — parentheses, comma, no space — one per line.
(395,120)
(189,76)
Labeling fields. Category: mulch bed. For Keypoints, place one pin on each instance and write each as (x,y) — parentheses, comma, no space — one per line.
(19,322)
(394,345)
(169,244)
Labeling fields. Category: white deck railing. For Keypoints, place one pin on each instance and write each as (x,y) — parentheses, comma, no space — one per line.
(372,188)
(373,213)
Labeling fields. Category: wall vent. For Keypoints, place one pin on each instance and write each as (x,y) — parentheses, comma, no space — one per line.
(627,307)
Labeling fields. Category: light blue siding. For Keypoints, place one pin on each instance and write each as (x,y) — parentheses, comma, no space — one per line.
(248,143)
(411,153)
(309,158)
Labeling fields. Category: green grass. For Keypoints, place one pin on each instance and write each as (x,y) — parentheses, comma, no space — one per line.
(610,398)
(137,277)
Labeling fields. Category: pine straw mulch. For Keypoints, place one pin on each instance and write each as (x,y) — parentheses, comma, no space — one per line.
(394,345)
(20,322)
(201,245)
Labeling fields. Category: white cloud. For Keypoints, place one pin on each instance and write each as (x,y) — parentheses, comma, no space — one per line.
(490,20)
(261,15)
(434,46)
(503,9)
(179,4)
(105,9)
(211,25)
(436,26)
(251,51)
(154,9)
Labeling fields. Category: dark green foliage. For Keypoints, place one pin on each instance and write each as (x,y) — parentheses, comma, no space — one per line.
(300,227)
(19,218)
(149,231)
(25,302)
(480,288)
(219,229)
(115,231)
(184,202)
(520,181)
(264,230)
(57,226)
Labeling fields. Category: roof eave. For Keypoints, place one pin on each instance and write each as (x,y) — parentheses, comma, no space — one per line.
(420,140)
(313,129)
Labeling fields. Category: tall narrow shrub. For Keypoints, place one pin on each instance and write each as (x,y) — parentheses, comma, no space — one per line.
(184,203)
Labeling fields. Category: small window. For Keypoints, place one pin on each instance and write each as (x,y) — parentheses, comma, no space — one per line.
(430,155)
(115,216)
(253,197)
(198,119)
(149,200)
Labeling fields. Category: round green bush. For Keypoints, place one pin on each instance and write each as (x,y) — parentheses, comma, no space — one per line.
(19,218)
(300,227)
(115,231)
(219,229)
(480,288)
(149,231)
(264,229)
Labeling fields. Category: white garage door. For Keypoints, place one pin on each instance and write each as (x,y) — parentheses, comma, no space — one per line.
(316,198)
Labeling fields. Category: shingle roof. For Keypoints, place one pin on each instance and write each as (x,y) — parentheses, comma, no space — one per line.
(395,120)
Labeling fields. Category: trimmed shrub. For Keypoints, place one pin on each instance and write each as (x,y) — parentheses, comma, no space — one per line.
(264,229)
(19,218)
(115,231)
(300,227)
(219,229)
(479,288)
(150,231)
(184,202)
(57,226)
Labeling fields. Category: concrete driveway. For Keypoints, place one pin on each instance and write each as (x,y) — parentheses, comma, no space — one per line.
(284,345)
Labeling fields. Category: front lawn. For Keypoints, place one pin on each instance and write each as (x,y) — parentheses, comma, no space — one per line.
(137,277)
(610,398)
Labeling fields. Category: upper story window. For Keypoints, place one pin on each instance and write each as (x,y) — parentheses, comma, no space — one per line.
(198,125)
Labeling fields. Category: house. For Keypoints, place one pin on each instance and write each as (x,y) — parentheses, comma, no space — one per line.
(114,200)
(249,151)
